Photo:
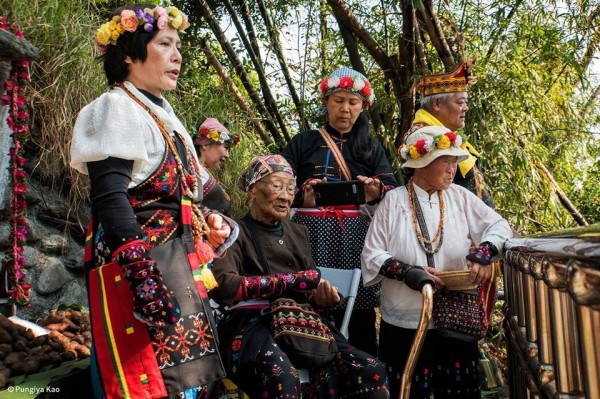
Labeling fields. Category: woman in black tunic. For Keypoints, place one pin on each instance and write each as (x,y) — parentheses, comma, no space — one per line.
(337,233)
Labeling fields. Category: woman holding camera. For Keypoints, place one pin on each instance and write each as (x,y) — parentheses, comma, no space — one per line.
(342,150)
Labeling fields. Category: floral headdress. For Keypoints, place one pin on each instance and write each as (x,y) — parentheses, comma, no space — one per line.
(147,19)
(428,143)
(348,80)
(212,131)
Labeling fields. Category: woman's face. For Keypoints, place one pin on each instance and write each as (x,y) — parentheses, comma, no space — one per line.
(161,69)
(438,175)
(343,108)
(213,156)
(272,197)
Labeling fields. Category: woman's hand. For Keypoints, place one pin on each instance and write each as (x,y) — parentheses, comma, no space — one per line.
(372,187)
(433,272)
(479,273)
(219,230)
(308,194)
(325,295)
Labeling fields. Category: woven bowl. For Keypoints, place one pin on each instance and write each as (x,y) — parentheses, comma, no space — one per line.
(457,280)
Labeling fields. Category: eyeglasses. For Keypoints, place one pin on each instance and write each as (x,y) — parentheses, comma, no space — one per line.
(278,187)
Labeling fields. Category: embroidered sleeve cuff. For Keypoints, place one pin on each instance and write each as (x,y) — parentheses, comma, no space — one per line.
(483,254)
(394,269)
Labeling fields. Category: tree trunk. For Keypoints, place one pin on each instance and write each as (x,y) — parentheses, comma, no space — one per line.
(432,25)
(241,71)
(239,98)
(324,36)
(564,200)
(387,64)
(264,84)
(275,42)
(501,29)
(407,50)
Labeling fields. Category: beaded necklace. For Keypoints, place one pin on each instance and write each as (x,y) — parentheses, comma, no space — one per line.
(199,225)
(416,212)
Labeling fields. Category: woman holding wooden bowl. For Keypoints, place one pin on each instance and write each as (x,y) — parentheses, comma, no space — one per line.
(421,230)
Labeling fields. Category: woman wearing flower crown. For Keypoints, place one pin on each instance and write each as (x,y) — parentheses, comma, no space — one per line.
(212,145)
(337,233)
(150,243)
(432,222)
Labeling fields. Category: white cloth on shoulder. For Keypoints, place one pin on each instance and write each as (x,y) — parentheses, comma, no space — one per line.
(114,125)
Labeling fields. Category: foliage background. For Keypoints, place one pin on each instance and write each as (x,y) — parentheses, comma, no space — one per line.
(534,106)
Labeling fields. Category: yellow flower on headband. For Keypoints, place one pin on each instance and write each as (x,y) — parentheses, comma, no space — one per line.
(414,153)
(213,135)
(444,142)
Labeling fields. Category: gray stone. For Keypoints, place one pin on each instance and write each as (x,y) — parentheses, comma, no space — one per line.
(35,231)
(51,276)
(73,293)
(73,259)
(54,244)
(4,234)
(32,257)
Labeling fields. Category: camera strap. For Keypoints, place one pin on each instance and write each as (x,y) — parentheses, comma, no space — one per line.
(336,153)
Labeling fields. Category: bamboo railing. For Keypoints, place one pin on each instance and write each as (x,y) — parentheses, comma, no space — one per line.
(552,320)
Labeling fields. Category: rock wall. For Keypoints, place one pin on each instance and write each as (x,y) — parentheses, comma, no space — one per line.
(53,252)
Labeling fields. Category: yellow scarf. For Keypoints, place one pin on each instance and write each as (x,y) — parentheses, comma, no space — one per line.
(465,166)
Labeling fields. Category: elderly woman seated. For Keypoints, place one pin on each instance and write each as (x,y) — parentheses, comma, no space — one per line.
(272,259)
(428,226)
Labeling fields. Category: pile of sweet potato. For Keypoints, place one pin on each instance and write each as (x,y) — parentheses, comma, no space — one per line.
(71,329)
(22,352)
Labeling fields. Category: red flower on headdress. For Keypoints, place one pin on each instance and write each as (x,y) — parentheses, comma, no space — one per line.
(346,83)
(451,136)
(421,146)
(366,90)
(323,85)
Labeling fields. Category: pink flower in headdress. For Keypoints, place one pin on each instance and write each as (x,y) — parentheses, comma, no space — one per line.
(129,20)
(161,22)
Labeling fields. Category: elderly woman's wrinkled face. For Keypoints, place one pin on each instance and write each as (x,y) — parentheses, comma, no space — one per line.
(272,197)
(343,108)
(438,175)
